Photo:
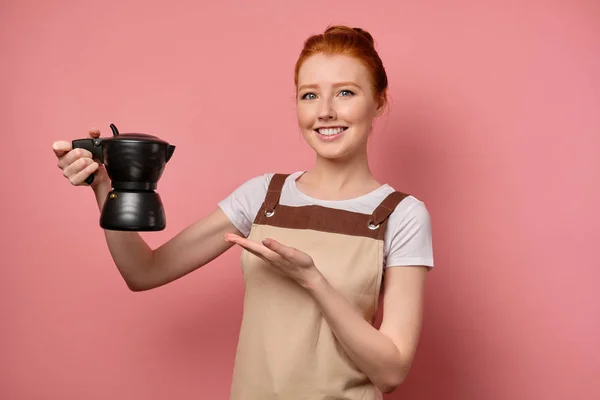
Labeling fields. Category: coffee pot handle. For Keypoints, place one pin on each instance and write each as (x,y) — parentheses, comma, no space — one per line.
(94,146)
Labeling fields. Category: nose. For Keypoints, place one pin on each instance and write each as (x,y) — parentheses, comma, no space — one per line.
(327,111)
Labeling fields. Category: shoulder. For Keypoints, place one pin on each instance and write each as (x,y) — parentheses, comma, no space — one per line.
(255,185)
(259,184)
(242,204)
(410,234)
(408,208)
(411,208)
(409,220)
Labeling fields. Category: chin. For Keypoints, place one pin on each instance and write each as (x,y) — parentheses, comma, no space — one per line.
(333,154)
(341,150)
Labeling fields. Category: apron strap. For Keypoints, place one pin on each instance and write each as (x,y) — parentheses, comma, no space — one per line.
(274,191)
(386,207)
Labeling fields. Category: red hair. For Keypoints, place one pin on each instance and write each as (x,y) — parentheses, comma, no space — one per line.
(353,42)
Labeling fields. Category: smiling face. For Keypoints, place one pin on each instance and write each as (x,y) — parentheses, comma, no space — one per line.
(336,105)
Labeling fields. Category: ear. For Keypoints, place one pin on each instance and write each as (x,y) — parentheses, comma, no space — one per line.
(381,104)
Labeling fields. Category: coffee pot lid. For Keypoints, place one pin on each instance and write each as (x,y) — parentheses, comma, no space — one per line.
(138,137)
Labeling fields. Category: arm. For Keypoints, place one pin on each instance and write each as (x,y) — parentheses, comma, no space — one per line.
(143,268)
(384,355)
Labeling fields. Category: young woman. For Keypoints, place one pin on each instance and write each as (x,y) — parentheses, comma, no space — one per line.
(320,247)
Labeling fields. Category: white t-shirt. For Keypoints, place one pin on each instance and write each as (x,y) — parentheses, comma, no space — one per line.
(408,234)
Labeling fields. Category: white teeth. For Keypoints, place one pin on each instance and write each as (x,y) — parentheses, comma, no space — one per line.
(330,131)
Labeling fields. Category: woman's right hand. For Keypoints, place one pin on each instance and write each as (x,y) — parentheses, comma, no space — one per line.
(78,164)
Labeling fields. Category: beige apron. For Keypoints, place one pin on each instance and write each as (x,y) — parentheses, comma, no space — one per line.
(286,349)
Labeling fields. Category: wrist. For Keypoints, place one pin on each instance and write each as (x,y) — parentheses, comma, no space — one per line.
(101,190)
(314,281)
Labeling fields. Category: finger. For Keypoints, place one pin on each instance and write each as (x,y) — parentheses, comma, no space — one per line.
(71,170)
(237,239)
(72,156)
(285,251)
(252,246)
(258,255)
(81,176)
(230,236)
(254,252)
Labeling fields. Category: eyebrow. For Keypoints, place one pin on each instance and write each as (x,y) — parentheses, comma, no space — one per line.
(314,86)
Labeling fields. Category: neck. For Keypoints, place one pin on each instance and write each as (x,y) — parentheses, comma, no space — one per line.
(341,177)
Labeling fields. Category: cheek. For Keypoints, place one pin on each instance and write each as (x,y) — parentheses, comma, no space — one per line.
(356,113)
(304,117)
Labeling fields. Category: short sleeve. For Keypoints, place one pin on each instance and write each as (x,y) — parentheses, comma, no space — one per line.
(242,205)
(411,242)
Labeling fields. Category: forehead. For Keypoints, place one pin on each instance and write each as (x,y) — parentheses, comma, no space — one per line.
(324,69)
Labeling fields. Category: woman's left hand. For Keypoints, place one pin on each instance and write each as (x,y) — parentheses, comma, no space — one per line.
(290,261)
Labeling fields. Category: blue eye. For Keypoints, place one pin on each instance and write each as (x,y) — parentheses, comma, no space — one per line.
(307,96)
(349,93)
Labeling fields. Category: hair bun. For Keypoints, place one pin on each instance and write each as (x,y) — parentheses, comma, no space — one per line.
(365,34)
(346,30)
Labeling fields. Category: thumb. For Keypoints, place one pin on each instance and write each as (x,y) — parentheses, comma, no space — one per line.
(94,133)
(61,148)
(272,244)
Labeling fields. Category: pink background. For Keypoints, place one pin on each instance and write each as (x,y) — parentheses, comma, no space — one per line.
(494,123)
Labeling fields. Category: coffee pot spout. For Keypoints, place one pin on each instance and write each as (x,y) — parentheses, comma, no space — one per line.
(170,150)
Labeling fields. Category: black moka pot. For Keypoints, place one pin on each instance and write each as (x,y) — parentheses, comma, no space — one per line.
(134,163)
